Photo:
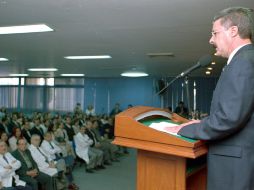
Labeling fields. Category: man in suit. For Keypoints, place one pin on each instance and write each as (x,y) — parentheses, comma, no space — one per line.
(229,129)
(37,129)
(29,171)
(26,131)
(4,126)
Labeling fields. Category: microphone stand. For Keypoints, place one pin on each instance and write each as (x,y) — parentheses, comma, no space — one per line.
(186,81)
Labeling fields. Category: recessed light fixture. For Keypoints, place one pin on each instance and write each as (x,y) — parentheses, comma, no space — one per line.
(18,75)
(42,69)
(134,74)
(208,72)
(72,75)
(25,29)
(89,57)
(3,59)
(213,63)
(209,68)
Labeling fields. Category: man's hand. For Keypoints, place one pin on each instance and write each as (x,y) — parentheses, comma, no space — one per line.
(97,145)
(8,167)
(32,173)
(176,129)
(52,164)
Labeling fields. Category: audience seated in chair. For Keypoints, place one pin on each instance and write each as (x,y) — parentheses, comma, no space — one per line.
(29,171)
(8,167)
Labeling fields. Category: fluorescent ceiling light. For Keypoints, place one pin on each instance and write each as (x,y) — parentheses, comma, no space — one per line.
(72,75)
(170,54)
(207,72)
(3,59)
(134,74)
(18,75)
(25,29)
(213,63)
(89,57)
(209,68)
(42,69)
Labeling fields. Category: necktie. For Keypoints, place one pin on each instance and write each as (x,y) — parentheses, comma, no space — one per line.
(46,158)
(13,180)
(58,156)
(41,131)
(5,159)
(51,145)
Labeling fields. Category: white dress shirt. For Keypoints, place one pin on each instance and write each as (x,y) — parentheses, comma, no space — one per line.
(82,144)
(7,175)
(42,160)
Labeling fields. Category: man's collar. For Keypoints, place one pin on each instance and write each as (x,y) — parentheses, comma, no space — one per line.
(234,52)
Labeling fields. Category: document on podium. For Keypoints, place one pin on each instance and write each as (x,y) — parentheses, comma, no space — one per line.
(162,125)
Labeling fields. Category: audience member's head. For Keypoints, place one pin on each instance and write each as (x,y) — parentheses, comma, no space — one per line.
(35,140)
(181,104)
(48,136)
(36,121)
(68,120)
(110,121)
(82,129)
(89,124)
(26,125)
(130,106)
(16,132)
(95,124)
(60,125)
(21,144)
(3,136)
(4,120)
(3,147)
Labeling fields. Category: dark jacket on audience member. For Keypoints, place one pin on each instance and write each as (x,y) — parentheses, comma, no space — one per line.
(70,132)
(26,135)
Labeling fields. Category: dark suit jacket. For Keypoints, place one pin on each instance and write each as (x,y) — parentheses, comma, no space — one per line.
(26,135)
(23,169)
(230,126)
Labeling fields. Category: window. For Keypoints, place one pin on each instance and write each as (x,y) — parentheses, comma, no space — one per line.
(9,97)
(64,99)
(9,81)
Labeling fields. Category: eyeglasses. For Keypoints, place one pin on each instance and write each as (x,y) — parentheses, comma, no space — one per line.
(216,32)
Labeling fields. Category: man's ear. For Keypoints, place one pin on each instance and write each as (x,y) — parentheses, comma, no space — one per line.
(234,31)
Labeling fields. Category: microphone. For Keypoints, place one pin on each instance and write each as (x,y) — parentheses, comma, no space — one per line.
(202,62)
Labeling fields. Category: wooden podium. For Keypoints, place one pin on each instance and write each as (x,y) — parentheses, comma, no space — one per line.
(164,161)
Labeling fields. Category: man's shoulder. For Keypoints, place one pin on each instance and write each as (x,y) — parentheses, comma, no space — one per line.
(15,153)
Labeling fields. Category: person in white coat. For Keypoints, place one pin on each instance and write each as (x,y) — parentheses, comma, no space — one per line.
(45,163)
(8,166)
(82,146)
(49,147)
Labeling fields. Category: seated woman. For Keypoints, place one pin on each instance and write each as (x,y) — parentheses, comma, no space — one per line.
(16,134)
(4,138)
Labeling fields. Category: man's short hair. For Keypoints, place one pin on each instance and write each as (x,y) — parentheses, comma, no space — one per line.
(241,17)
(20,140)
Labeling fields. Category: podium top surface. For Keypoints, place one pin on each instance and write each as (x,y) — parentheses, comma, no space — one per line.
(131,129)
(158,120)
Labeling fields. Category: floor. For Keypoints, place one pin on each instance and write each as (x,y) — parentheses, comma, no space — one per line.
(119,176)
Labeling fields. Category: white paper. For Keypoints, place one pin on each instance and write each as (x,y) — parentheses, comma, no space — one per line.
(161,127)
